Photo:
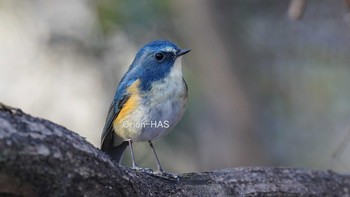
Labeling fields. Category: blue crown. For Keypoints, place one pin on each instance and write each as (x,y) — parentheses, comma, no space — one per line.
(147,68)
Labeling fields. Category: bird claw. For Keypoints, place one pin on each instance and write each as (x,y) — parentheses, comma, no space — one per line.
(167,175)
(158,173)
(147,170)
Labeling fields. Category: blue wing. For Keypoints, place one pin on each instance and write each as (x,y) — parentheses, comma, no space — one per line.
(111,143)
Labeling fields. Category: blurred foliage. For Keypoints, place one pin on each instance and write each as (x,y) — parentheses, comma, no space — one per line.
(134,17)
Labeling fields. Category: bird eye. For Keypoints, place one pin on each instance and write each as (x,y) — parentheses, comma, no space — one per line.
(160,56)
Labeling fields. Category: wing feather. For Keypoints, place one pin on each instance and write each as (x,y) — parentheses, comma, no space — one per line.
(108,136)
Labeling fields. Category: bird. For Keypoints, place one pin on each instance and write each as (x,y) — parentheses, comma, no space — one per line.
(150,100)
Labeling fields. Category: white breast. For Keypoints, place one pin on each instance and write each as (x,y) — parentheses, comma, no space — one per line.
(166,104)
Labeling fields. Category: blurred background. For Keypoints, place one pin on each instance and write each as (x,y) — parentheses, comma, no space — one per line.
(269,81)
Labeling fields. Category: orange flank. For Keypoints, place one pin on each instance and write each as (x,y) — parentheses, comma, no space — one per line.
(131,103)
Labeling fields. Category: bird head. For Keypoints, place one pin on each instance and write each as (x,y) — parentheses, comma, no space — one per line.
(155,60)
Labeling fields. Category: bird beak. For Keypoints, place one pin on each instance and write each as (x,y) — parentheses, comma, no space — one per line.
(181,52)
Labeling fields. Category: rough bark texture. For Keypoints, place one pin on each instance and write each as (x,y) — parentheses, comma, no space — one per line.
(40,158)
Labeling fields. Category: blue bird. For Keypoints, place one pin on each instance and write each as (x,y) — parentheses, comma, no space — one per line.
(150,100)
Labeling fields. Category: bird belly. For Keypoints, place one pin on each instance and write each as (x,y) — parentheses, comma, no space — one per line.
(158,110)
(162,118)
(154,117)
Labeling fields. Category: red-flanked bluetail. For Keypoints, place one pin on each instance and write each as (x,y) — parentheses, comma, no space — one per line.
(150,100)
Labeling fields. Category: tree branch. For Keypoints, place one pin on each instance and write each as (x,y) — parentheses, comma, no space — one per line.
(40,158)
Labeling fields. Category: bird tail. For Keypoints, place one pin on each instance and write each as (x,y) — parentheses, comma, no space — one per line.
(117,152)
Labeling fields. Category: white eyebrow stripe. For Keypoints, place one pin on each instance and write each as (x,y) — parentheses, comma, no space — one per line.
(170,49)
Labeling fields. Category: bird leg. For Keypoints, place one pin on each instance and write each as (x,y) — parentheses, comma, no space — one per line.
(132,155)
(160,169)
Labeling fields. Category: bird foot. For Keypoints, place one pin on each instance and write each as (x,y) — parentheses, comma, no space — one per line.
(166,175)
(147,170)
(158,173)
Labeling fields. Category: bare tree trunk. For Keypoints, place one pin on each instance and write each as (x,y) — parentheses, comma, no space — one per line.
(40,158)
